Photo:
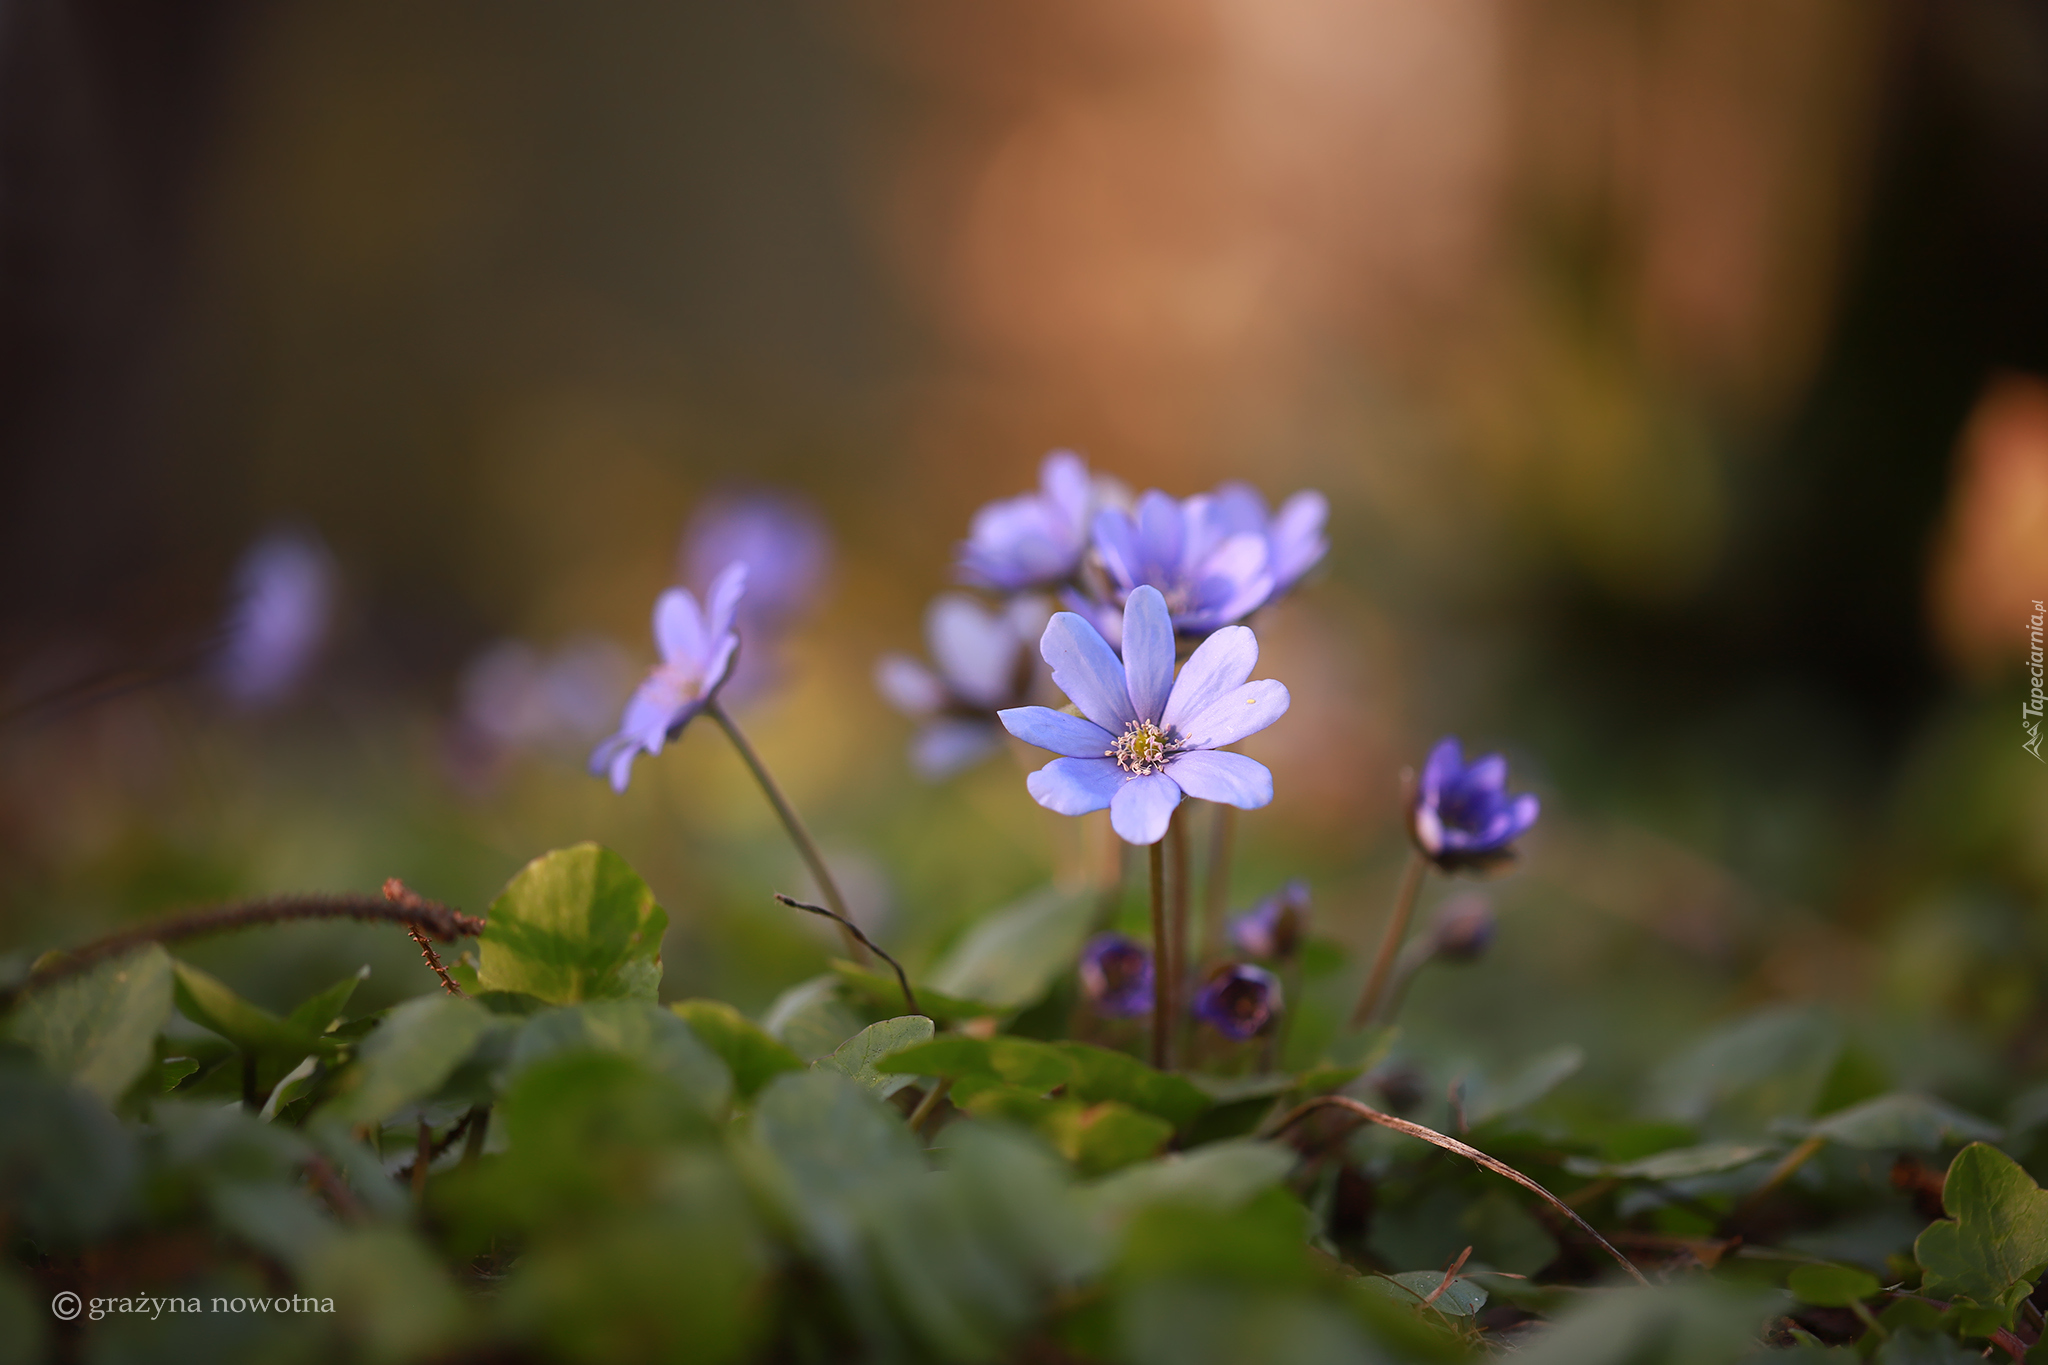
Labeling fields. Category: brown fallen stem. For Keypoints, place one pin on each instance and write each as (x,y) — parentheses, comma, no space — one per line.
(909,996)
(1450,1276)
(1368,1114)
(437,921)
(1780,1173)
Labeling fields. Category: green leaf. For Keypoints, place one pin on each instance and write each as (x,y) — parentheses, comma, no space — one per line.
(210,1003)
(575,924)
(1189,1321)
(856,1057)
(1459,1299)
(1739,1081)
(69,1169)
(1695,1324)
(1831,1286)
(391,1291)
(885,992)
(1103,1137)
(1099,1074)
(647,1033)
(98,1029)
(753,1057)
(316,1012)
(1903,1121)
(1009,959)
(1221,1176)
(1486,1100)
(1680,1163)
(811,1019)
(830,1136)
(1997,1242)
(417,1047)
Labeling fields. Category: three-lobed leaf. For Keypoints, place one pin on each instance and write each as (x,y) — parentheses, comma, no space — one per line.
(1995,1241)
(857,1056)
(575,924)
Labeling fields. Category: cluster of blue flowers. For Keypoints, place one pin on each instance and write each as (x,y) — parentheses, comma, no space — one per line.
(1137,607)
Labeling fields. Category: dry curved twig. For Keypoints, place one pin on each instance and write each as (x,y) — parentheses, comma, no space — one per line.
(1368,1114)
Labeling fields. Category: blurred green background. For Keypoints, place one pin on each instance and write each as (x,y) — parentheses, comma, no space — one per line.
(1673,369)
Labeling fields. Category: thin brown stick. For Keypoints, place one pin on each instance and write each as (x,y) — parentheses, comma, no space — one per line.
(439,921)
(1451,1144)
(1449,1276)
(1782,1172)
(909,996)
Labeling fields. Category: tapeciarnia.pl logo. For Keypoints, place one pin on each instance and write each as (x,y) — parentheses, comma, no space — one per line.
(2030,709)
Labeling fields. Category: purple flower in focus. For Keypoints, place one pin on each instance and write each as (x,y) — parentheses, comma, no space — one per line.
(983,665)
(1462,815)
(1275,926)
(284,597)
(1034,540)
(1116,975)
(1294,537)
(1238,1000)
(697,649)
(1145,738)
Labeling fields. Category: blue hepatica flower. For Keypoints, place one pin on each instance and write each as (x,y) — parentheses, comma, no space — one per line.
(1145,738)
(1238,1000)
(1294,537)
(1462,815)
(697,649)
(284,597)
(983,665)
(1275,926)
(788,553)
(1035,540)
(1116,976)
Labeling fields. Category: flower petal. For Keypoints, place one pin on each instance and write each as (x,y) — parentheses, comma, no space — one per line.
(1063,478)
(1239,712)
(1148,651)
(1075,786)
(724,598)
(1488,774)
(1297,536)
(1142,807)
(679,629)
(1219,664)
(908,685)
(947,746)
(975,649)
(1228,779)
(1162,533)
(1057,731)
(1524,811)
(1443,763)
(1087,670)
(724,651)
(1116,540)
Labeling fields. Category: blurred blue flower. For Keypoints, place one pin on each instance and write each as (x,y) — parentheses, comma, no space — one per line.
(788,553)
(1462,815)
(1034,540)
(697,649)
(1463,927)
(1116,976)
(983,665)
(1275,926)
(514,696)
(1238,1000)
(1294,537)
(1144,738)
(1209,574)
(284,599)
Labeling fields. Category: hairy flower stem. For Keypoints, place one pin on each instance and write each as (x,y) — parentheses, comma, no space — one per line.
(793,823)
(1162,978)
(1177,923)
(1390,942)
(1216,881)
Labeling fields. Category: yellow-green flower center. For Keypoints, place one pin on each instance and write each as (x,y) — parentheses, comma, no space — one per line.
(1142,748)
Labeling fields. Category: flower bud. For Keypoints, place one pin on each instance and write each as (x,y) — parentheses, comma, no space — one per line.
(1238,1000)
(1275,927)
(1463,928)
(1116,976)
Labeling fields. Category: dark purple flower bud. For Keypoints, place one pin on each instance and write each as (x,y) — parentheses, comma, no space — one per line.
(1116,974)
(1462,815)
(1275,926)
(1463,927)
(1238,1000)
(284,595)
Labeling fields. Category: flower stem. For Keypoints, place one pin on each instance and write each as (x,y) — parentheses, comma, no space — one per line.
(1162,978)
(793,823)
(1216,882)
(1390,942)
(1177,919)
